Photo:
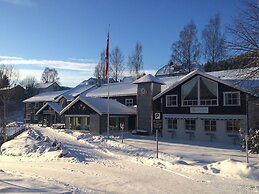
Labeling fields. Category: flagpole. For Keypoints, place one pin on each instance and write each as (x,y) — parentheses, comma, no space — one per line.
(108,81)
(108,107)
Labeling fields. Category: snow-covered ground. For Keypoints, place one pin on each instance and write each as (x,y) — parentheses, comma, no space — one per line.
(36,161)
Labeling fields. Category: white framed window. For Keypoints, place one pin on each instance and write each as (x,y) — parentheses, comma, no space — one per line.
(233,126)
(231,98)
(129,102)
(171,100)
(210,125)
(172,123)
(190,124)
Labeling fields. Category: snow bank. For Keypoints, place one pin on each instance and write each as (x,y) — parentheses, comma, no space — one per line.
(32,144)
(113,146)
(234,168)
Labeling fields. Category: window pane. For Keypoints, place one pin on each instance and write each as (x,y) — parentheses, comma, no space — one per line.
(232,98)
(233,126)
(129,102)
(190,124)
(213,126)
(208,89)
(171,123)
(190,89)
(209,125)
(171,100)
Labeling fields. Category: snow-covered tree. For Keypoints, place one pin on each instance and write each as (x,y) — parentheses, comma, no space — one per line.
(252,141)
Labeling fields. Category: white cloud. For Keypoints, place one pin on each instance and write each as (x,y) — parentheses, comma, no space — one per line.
(71,73)
(27,3)
(59,64)
(10,57)
(81,60)
(23,73)
(73,79)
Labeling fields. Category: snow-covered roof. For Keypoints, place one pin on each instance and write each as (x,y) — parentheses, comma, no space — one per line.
(45,96)
(100,106)
(115,89)
(171,70)
(235,74)
(74,92)
(89,81)
(45,85)
(180,79)
(128,79)
(228,77)
(12,87)
(55,106)
(149,79)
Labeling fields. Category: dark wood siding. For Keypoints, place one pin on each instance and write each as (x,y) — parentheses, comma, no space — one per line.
(220,109)
(122,99)
(79,108)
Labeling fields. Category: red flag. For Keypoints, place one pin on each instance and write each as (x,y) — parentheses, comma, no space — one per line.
(107,55)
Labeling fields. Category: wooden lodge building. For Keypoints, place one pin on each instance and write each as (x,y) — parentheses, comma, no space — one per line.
(199,106)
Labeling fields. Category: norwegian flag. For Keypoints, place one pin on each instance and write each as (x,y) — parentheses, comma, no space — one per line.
(107,55)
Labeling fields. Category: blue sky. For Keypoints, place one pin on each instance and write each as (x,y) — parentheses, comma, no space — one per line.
(69,35)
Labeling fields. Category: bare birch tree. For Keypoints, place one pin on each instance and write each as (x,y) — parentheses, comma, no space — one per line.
(99,71)
(244,34)
(186,50)
(8,78)
(29,84)
(214,48)
(116,63)
(135,61)
(49,75)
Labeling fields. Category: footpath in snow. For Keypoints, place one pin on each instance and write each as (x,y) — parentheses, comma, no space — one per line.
(82,163)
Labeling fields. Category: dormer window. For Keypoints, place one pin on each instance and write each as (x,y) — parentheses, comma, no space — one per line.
(129,102)
(200,91)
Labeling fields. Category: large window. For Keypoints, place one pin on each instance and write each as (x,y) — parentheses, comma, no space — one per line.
(233,126)
(209,125)
(171,100)
(190,124)
(171,123)
(190,92)
(200,91)
(231,98)
(129,102)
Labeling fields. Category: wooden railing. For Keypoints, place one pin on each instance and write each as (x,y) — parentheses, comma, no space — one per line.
(13,135)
